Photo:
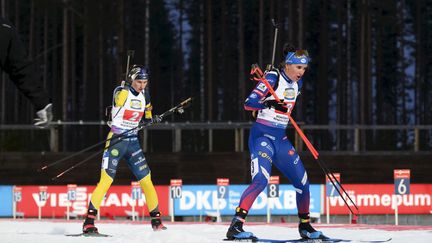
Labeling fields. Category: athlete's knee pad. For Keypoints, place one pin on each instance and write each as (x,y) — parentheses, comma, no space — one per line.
(302,186)
(262,157)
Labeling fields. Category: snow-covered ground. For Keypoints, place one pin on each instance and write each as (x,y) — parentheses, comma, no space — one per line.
(47,231)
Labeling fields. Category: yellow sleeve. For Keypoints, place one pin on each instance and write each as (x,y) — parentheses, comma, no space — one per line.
(148,111)
(120,97)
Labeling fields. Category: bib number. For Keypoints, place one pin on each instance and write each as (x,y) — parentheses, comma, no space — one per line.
(289,107)
(133,116)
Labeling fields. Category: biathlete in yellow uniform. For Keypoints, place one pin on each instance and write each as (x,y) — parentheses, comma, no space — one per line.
(130,104)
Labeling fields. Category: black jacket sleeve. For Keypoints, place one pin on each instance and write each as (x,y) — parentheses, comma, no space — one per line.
(21,71)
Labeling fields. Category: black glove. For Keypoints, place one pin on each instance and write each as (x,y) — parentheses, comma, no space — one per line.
(156,119)
(279,106)
(45,116)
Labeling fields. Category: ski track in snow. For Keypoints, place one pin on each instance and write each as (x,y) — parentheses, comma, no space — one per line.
(53,231)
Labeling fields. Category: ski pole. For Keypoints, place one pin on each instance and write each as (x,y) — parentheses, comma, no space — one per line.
(178,108)
(84,150)
(75,165)
(276,25)
(334,181)
(86,159)
(130,54)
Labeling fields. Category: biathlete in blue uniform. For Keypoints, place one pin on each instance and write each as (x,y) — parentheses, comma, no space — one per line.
(268,143)
(130,104)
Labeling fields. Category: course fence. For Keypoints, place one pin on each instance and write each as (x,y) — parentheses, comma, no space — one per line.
(217,136)
(199,200)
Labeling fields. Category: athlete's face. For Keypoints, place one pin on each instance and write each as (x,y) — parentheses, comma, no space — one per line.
(295,71)
(139,84)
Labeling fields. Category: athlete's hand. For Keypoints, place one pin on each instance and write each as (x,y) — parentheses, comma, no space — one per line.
(44,116)
(156,119)
(279,106)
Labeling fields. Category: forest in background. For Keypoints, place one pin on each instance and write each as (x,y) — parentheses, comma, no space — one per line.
(370,64)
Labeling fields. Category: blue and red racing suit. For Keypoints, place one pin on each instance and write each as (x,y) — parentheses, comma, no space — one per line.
(268,143)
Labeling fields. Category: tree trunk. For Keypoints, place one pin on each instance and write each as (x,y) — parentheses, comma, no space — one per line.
(299,102)
(202,63)
(45,50)
(209,61)
(222,87)
(16,94)
(290,21)
(322,87)
(364,69)
(31,30)
(3,79)
(261,33)
(241,61)
(300,24)
(348,64)
(28,106)
(147,33)
(3,8)
(341,75)
(101,67)
(55,65)
(65,71)
(401,70)
(180,64)
(120,44)
(73,86)
(419,75)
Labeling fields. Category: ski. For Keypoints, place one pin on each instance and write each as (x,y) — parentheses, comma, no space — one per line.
(375,241)
(329,240)
(260,240)
(89,235)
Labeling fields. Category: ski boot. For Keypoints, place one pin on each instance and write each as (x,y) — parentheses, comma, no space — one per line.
(88,226)
(306,230)
(156,221)
(235,231)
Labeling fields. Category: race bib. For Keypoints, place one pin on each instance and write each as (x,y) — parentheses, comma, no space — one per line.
(133,116)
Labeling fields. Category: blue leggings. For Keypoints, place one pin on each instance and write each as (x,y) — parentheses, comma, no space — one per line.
(269,146)
(130,150)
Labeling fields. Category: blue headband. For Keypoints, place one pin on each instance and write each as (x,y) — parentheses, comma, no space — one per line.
(293,58)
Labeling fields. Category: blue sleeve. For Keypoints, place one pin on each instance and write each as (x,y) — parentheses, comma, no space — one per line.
(147,95)
(300,84)
(253,101)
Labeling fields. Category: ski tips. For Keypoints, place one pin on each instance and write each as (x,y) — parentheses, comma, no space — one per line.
(42,168)
(354,219)
(57,176)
